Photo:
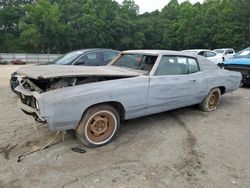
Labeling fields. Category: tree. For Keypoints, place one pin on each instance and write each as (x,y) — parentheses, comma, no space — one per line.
(40,27)
(59,26)
(11,11)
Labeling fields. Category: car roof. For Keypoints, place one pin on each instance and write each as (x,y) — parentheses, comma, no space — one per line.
(158,52)
(93,49)
(204,63)
(224,49)
(197,50)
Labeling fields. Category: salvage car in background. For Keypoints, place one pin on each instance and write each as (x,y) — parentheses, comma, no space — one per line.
(87,57)
(241,63)
(84,57)
(226,52)
(3,62)
(93,100)
(18,62)
(212,56)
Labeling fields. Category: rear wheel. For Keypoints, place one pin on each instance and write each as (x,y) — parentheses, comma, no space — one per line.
(211,101)
(98,126)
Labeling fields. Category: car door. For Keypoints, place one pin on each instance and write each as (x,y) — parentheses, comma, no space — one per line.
(171,86)
(197,78)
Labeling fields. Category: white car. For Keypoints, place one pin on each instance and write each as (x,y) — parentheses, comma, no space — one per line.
(209,54)
(226,52)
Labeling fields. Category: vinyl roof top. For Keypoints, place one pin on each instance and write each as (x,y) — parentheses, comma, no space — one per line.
(158,52)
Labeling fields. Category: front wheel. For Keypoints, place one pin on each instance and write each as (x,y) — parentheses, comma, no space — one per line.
(211,101)
(98,126)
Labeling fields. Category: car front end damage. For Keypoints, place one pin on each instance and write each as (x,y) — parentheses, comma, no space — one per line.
(31,94)
(43,97)
(29,100)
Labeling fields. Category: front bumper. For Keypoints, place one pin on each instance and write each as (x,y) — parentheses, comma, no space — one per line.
(30,111)
(28,103)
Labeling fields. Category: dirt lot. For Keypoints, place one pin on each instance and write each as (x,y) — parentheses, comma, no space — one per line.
(180,148)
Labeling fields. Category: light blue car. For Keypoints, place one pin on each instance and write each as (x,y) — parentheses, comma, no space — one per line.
(93,100)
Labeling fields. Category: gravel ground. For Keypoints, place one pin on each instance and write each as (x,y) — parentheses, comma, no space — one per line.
(180,148)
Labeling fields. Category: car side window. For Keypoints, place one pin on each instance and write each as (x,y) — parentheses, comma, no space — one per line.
(202,53)
(92,56)
(108,56)
(173,65)
(147,62)
(193,65)
(210,54)
(90,59)
(230,52)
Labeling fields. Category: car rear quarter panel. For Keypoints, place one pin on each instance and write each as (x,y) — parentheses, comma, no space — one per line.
(228,80)
(213,76)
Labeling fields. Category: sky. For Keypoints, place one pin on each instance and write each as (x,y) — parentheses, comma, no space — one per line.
(151,5)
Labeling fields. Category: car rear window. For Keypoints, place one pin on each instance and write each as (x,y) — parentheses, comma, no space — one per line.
(136,61)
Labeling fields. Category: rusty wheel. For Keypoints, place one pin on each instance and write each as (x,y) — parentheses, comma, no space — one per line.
(211,101)
(98,126)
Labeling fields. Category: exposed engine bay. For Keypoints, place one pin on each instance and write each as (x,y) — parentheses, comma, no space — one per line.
(30,85)
(44,85)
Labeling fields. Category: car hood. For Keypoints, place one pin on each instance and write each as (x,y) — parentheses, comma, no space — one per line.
(238,61)
(56,71)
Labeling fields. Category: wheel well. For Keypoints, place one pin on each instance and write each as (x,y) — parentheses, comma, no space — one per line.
(118,106)
(222,90)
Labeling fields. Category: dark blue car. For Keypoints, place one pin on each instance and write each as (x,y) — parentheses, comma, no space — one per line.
(241,63)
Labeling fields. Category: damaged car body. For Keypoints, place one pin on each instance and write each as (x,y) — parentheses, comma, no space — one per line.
(93,100)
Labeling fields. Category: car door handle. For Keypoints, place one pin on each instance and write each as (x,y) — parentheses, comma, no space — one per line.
(193,80)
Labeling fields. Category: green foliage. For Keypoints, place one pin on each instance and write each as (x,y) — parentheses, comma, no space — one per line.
(58,26)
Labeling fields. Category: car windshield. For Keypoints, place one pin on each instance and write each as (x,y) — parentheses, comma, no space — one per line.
(243,54)
(136,61)
(68,58)
(219,51)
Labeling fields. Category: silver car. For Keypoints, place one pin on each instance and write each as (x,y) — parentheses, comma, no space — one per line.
(93,100)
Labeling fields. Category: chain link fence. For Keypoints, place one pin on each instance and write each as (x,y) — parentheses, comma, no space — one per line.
(29,58)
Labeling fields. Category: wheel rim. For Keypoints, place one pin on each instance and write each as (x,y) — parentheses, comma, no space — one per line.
(101,127)
(213,100)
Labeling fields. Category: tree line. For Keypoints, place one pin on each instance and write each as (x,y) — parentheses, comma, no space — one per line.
(59,26)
